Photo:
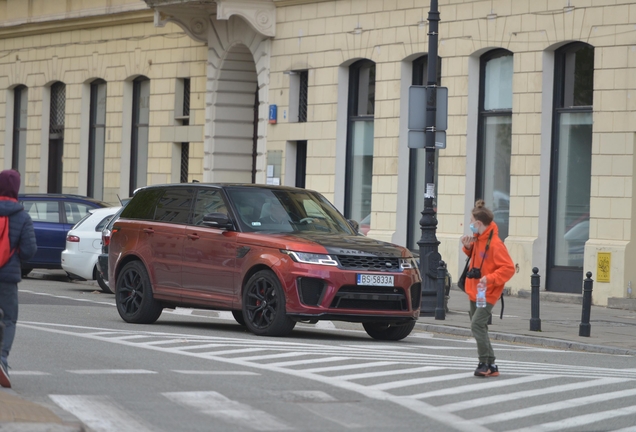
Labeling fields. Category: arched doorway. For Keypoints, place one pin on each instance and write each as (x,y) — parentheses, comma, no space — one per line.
(235,123)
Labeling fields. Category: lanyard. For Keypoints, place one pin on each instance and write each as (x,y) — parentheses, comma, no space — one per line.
(485,251)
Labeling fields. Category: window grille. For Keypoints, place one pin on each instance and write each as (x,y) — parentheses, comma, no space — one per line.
(58,110)
(185,159)
(302,102)
(186,99)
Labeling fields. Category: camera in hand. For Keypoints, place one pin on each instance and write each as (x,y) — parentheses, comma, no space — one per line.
(474,273)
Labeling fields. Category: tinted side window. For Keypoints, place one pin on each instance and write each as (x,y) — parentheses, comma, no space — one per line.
(208,201)
(142,205)
(174,206)
(101,225)
(43,211)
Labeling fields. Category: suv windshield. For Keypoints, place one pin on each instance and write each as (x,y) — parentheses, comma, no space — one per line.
(277,210)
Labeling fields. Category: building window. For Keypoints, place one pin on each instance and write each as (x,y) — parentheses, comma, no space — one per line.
(56,137)
(96,140)
(360,140)
(417,163)
(298,92)
(20,101)
(185,162)
(139,138)
(182,98)
(571,165)
(495,135)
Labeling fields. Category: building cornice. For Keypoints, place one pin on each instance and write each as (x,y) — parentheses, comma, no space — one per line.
(58,24)
(194,15)
(282,3)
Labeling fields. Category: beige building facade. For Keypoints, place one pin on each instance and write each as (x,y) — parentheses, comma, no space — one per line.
(541,98)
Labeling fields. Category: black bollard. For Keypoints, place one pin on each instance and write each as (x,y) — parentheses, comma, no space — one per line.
(440,311)
(535,283)
(584,328)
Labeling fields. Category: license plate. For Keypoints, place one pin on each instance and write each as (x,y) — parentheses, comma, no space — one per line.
(375,280)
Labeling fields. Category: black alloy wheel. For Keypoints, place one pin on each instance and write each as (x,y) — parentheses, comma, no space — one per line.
(133,295)
(389,332)
(264,306)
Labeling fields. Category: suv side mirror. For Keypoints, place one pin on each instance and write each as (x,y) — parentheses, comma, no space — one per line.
(217,220)
(354,224)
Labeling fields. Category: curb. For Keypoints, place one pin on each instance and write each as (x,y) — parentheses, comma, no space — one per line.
(531,340)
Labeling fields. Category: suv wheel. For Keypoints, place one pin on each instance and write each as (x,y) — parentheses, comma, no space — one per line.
(133,295)
(389,332)
(264,306)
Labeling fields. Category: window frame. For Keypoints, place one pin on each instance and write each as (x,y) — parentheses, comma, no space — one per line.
(94,129)
(352,118)
(136,127)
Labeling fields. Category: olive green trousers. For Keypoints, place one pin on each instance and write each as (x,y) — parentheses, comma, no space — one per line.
(479,326)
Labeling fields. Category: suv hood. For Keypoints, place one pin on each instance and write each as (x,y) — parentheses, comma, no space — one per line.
(334,244)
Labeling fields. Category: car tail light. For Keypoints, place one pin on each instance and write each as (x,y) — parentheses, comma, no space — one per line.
(72,238)
(105,237)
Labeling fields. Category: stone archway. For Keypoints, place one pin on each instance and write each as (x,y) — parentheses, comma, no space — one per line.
(239,51)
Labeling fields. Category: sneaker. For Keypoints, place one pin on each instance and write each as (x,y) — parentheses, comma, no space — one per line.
(493,370)
(4,376)
(482,370)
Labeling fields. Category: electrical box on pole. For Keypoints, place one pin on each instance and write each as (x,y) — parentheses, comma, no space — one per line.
(418,95)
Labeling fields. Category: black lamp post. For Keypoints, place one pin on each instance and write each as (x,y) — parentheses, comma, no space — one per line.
(428,243)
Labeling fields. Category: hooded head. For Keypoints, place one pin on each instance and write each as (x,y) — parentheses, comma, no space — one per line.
(9,183)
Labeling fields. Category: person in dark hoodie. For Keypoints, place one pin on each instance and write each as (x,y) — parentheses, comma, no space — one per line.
(22,243)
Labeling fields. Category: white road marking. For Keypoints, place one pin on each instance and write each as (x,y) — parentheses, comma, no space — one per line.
(561,388)
(28,373)
(555,406)
(237,351)
(235,413)
(100,414)
(200,372)
(388,373)
(494,383)
(111,371)
(351,366)
(193,347)
(182,311)
(270,356)
(582,420)
(627,429)
(308,396)
(417,381)
(309,361)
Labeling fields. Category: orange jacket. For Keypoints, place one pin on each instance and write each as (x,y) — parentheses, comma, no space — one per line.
(497,265)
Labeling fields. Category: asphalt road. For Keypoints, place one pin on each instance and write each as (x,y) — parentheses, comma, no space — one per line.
(200,371)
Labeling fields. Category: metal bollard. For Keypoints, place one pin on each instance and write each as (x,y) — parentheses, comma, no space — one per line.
(440,311)
(535,283)
(584,328)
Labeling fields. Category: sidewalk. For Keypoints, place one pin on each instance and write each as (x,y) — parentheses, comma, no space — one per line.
(613,331)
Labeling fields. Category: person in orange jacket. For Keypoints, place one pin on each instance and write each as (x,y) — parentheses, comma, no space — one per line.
(491,265)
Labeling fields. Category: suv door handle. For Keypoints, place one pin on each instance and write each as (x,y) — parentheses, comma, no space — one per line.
(194,236)
(149,231)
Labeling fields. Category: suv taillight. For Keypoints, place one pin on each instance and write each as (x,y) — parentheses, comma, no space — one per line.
(72,239)
(105,237)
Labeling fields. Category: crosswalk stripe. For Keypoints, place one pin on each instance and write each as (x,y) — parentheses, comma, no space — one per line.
(28,373)
(100,414)
(581,420)
(417,381)
(193,347)
(627,429)
(235,413)
(350,366)
(204,372)
(272,356)
(491,400)
(111,371)
(163,342)
(309,361)
(556,406)
(495,383)
(236,351)
(387,373)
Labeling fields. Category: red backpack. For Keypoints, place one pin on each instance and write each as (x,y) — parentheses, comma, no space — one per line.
(5,245)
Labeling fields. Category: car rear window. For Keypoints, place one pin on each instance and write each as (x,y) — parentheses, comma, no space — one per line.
(81,221)
(142,205)
(102,224)
(76,211)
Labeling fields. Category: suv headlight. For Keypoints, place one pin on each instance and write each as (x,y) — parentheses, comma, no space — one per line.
(407,263)
(311,258)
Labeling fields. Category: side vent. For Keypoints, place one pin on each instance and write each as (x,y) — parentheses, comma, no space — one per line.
(310,290)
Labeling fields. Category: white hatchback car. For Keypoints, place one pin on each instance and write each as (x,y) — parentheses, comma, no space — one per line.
(84,244)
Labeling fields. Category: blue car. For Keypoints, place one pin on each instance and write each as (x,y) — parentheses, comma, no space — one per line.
(53,216)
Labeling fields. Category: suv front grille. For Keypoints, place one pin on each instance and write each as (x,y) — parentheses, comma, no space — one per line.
(370,297)
(369,263)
